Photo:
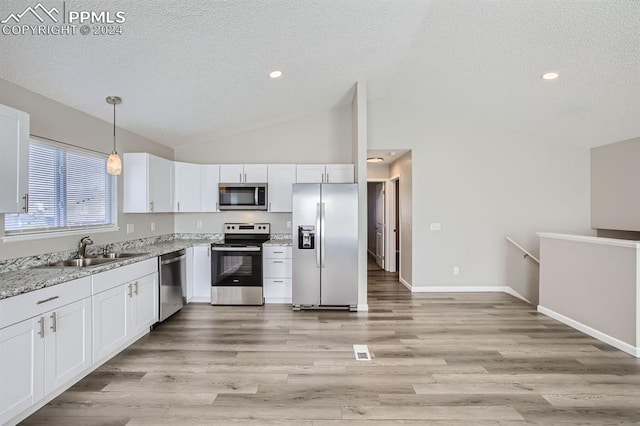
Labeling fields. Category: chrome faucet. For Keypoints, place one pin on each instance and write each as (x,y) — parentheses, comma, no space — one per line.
(82,246)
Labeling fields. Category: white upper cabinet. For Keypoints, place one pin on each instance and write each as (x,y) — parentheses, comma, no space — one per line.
(210,177)
(148,183)
(231,173)
(243,173)
(281,180)
(14,160)
(339,173)
(187,187)
(255,173)
(310,173)
(324,173)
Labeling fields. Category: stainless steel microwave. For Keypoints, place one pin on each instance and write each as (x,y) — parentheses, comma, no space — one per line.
(242,196)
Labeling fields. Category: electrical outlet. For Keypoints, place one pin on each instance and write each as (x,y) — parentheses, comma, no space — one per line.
(153,226)
(130,228)
(456,270)
(435,227)
(199,224)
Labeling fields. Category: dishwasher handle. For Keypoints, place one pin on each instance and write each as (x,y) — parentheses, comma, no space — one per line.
(172,260)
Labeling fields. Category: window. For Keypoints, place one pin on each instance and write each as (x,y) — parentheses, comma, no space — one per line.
(69,189)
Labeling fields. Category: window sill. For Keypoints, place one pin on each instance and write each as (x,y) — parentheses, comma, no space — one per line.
(57,234)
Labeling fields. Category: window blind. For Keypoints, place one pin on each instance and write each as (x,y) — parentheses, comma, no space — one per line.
(68,189)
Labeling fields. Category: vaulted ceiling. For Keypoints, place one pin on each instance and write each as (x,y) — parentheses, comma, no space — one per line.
(193,70)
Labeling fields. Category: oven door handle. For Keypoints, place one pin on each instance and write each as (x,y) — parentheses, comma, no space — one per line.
(235,248)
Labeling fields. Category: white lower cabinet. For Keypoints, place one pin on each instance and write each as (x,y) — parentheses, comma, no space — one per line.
(123,313)
(277,273)
(67,343)
(21,368)
(199,276)
(47,353)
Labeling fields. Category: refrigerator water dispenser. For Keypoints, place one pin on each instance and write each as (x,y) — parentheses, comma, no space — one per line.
(306,237)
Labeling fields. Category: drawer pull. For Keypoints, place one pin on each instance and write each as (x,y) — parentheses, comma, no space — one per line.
(40,302)
(278,252)
(135,287)
(130,290)
(278,281)
(278,261)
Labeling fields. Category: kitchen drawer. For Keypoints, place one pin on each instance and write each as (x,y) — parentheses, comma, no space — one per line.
(117,276)
(277,268)
(28,305)
(274,252)
(277,288)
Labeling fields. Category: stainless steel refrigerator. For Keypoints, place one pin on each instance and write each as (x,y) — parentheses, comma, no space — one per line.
(325,245)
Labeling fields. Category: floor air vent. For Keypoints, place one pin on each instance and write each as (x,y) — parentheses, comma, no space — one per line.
(361,352)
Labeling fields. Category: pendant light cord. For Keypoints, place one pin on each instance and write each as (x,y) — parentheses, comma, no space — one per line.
(114,127)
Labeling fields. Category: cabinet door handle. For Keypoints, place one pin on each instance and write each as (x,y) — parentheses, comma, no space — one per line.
(240,174)
(41,332)
(327,177)
(278,252)
(151,206)
(278,261)
(130,290)
(40,302)
(278,281)
(269,205)
(245,177)
(217,208)
(135,286)
(178,205)
(26,202)
(54,322)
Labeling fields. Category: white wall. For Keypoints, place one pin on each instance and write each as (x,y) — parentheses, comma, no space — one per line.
(318,138)
(359,136)
(402,168)
(54,120)
(615,183)
(481,187)
(377,171)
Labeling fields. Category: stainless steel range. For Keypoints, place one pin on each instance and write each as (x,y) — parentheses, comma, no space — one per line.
(236,265)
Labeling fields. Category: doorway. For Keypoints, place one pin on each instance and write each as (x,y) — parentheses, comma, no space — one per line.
(376,225)
(383,224)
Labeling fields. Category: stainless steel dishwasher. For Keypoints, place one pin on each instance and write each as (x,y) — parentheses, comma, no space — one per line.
(173,273)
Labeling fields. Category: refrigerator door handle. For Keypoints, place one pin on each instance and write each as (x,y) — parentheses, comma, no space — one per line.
(318,235)
(322,235)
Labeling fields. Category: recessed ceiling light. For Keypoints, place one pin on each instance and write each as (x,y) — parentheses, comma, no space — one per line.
(552,75)
(375,160)
(275,74)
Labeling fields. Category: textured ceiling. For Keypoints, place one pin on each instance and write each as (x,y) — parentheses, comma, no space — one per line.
(193,70)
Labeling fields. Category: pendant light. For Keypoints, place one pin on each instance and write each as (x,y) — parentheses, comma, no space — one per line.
(114,164)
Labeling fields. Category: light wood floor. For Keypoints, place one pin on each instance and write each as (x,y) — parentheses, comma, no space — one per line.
(441,359)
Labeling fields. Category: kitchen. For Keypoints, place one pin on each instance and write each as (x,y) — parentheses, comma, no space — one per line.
(457,167)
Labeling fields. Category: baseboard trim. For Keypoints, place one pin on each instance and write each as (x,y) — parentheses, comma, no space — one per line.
(616,343)
(363,307)
(460,289)
(405,283)
(511,291)
(200,300)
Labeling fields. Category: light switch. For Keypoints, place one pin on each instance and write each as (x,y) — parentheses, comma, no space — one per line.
(130,228)
(435,227)
(199,224)
(153,226)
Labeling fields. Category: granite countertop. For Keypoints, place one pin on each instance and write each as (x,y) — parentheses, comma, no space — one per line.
(286,242)
(30,279)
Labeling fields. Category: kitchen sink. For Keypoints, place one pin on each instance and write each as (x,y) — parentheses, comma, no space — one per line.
(87,262)
(117,255)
